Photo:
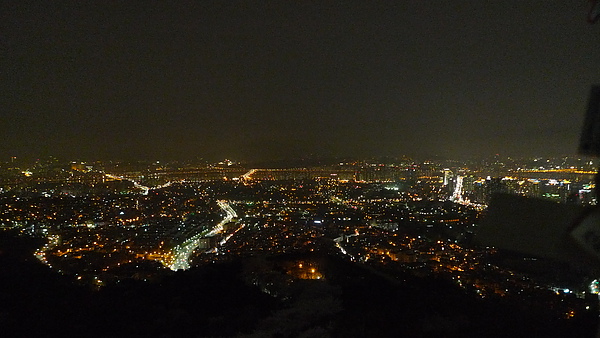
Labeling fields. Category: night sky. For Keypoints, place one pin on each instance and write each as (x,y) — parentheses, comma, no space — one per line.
(256,80)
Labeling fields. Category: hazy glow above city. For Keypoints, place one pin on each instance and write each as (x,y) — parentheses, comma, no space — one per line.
(284,79)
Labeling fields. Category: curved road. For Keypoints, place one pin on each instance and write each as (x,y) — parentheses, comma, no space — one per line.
(183,251)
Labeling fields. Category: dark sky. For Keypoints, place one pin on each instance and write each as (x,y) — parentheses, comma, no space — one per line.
(272,79)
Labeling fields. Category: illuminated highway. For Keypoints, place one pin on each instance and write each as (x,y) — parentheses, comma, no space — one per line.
(457,195)
(53,241)
(182,252)
(144,188)
(342,239)
(248,175)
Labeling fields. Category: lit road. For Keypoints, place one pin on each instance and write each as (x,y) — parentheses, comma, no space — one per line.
(457,196)
(144,188)
(182,252)
(343,238)
(53,241)
(248,175)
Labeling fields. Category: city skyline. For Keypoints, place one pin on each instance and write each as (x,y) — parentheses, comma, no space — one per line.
(284,80)
(452,248)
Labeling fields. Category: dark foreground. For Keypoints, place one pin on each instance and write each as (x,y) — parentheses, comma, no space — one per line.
(258,297)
